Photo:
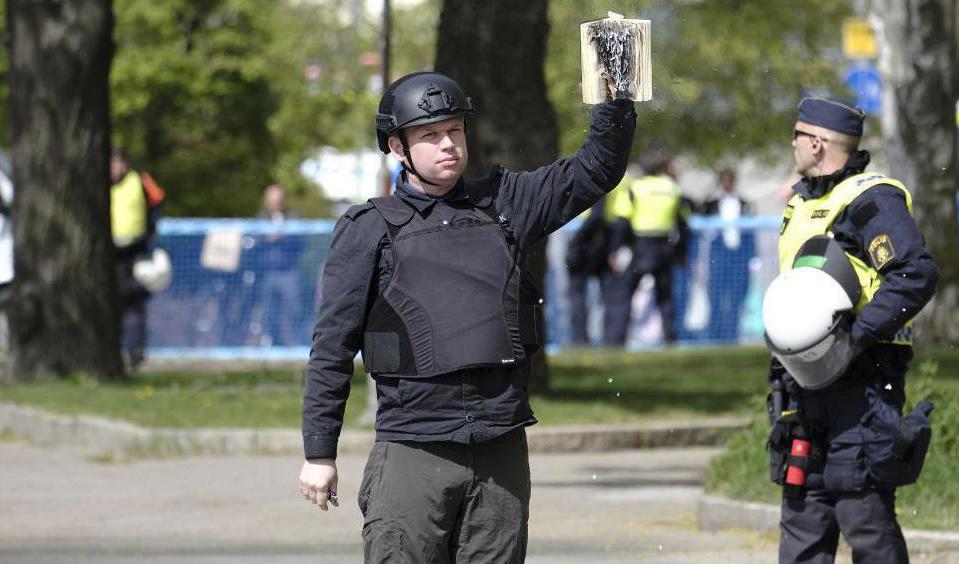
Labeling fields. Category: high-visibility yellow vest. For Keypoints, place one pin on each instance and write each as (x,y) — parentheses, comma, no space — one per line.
(804,219)
(128,210)
(650,204)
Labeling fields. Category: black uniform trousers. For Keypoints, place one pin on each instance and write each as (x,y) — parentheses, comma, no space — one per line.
(445,502)
(810,527)
(843,496)
(651,255)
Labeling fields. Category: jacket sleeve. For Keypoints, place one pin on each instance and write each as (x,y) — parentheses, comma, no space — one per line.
(538,202)
(890,241)
(338,333)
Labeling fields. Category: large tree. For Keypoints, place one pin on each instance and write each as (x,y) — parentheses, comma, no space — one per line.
(918,65)
(64,316)
(496,50)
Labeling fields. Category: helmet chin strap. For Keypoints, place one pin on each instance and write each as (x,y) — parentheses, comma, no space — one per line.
(409,159)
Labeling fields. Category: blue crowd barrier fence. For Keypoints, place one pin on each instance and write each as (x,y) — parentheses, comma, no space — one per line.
(249,289)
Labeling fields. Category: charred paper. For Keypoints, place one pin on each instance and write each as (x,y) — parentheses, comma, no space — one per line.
(616,50)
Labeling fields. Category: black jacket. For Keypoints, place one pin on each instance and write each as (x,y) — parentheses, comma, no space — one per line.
(908,279)
(471,405)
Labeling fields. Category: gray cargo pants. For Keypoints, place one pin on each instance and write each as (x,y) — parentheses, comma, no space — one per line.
(442,502)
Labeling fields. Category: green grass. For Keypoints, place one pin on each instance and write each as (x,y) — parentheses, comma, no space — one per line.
(588,386)
(235,399)
(742,471)
(612,386)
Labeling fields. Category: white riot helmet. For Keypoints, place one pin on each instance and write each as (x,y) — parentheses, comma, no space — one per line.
(154,271)
(807,313)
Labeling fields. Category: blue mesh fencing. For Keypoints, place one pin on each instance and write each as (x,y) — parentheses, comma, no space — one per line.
(249,289)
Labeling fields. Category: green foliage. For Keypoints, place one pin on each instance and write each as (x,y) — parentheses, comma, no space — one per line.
(742,471)
(221,97)
(726,74)
(191,95)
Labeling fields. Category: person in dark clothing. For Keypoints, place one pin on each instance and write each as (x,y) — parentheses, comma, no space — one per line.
(279,256)
(651,223)
(586,260)
(730,251)
(850,475)
(430,284)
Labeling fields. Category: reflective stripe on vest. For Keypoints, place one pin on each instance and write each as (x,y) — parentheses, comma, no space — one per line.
(656,202)
(804,219)
(128,210)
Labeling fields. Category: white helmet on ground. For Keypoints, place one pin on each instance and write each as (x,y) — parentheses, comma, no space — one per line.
(154,271)
(807,313)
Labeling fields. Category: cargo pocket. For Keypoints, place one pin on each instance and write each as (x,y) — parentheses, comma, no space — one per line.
(372,475)
(845,468)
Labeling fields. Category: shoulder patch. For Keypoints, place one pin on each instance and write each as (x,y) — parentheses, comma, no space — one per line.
(354,211)
(881,251)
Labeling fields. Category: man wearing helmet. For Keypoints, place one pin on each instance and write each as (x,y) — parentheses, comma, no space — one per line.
(430,285)
(848,242)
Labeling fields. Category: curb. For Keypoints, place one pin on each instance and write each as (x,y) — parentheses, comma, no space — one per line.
(717,513)
(111,438)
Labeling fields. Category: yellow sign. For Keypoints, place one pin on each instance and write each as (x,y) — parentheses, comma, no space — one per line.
(858,40)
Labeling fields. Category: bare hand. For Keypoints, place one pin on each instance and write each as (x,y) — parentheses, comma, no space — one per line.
(318,482)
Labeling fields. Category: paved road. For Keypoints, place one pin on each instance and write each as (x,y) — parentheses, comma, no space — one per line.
(612,507)
(57,507)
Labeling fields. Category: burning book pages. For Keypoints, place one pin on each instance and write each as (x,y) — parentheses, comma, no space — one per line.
(616,49)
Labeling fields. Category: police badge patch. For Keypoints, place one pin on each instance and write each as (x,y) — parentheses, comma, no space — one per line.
(881,251)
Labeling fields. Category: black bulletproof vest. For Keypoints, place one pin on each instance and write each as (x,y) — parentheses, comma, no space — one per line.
(458,296)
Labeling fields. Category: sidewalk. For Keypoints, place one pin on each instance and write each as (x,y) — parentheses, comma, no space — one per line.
(603,508)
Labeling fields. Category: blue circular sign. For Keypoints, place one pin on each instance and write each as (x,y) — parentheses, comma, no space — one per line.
(865,82)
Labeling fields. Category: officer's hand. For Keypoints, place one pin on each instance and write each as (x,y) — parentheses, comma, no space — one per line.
(318,481)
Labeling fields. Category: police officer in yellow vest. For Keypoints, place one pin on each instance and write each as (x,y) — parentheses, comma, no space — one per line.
(134,209)
(845,479)
(650,221)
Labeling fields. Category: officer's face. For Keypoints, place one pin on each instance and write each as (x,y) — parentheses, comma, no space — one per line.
(808,147)
(438,150)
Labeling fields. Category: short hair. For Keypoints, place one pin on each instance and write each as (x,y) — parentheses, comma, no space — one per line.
(655,162)
(845,143)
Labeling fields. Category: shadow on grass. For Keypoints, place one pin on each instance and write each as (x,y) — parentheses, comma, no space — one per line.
(713,402)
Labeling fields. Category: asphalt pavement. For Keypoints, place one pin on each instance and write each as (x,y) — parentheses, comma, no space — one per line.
(58,507)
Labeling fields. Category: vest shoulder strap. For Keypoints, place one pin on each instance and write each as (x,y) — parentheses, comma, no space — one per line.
(856,185)
(395,211)
(482,192)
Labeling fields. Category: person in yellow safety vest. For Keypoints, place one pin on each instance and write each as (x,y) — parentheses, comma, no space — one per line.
(840,449)
(649,236)
(135,203)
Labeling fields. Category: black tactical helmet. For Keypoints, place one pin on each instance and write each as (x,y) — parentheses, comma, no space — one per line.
(418,98)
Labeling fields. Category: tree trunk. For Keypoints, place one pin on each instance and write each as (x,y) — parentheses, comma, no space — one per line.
(65,316)
(918,67)
(515,125)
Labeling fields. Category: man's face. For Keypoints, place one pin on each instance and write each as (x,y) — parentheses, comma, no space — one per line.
(274,199)
(438,150)
(118,169)
(807,147)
